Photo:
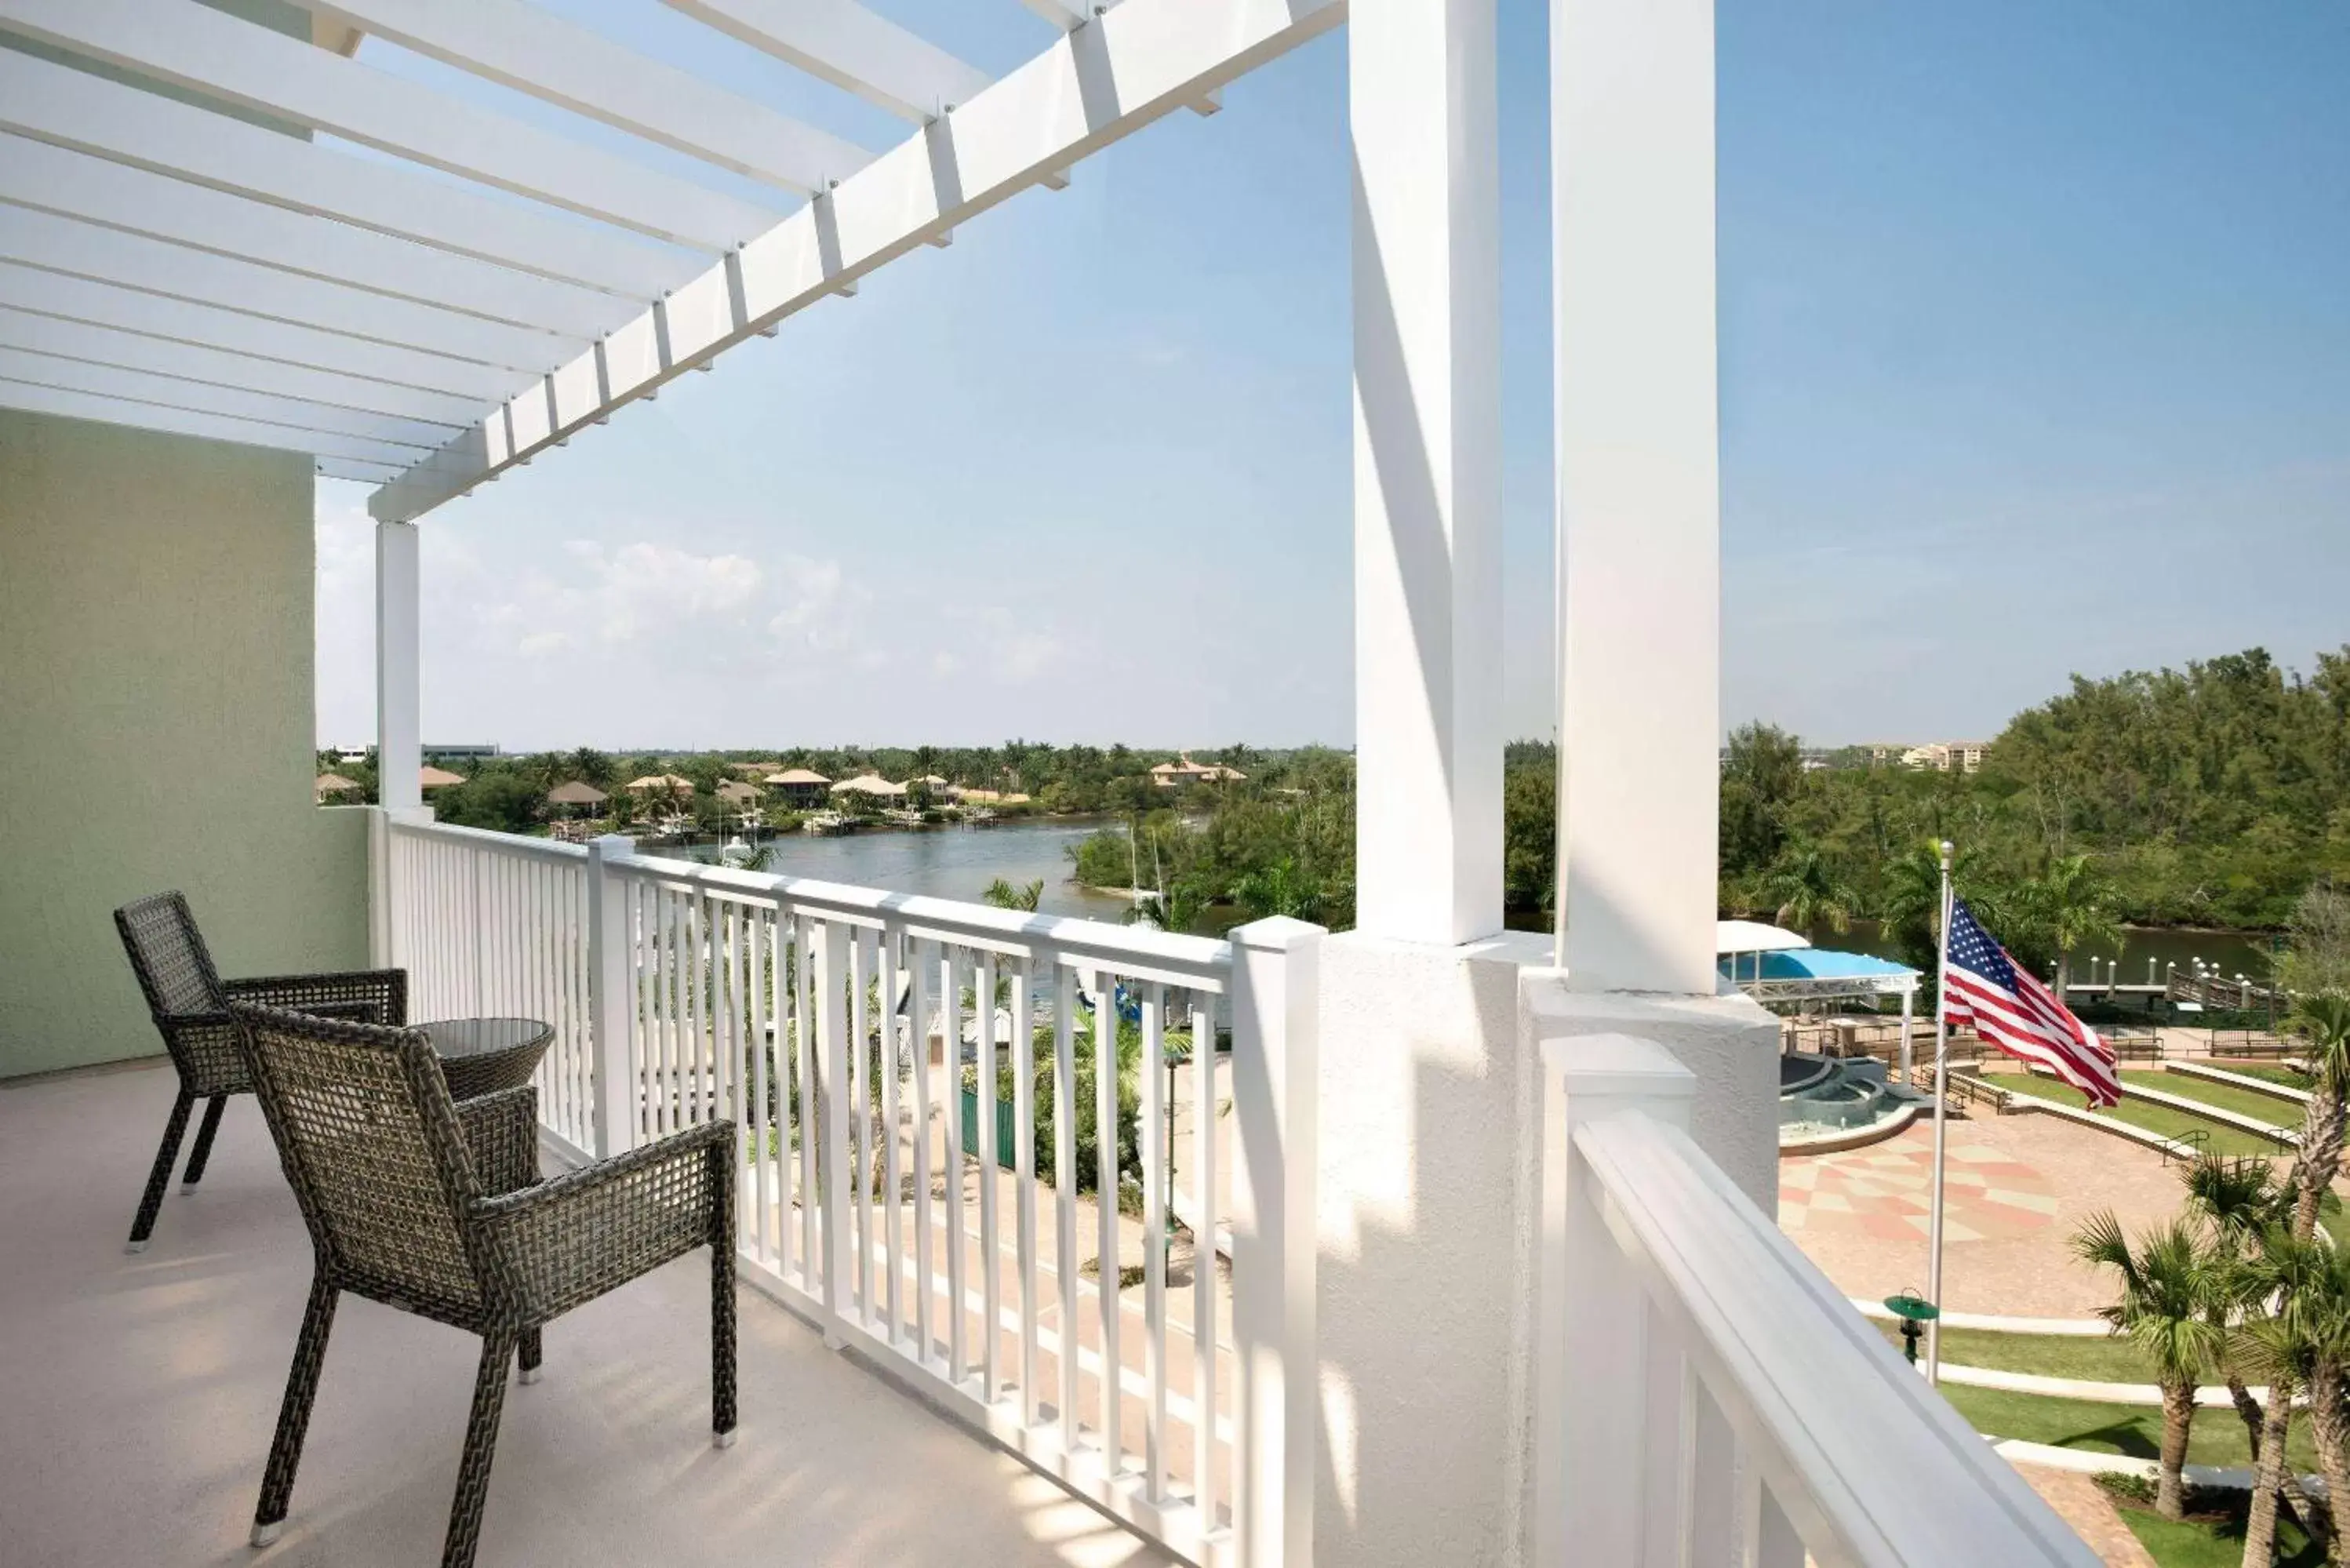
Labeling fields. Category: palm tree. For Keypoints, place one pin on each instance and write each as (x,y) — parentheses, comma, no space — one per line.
(1004,896)
(2071,904)
(2324,1021)
(2304,1340)
(2167,1280)
(2242,1201)
(1810,893)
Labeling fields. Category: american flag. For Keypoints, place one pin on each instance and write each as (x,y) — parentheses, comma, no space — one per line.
(1982,986)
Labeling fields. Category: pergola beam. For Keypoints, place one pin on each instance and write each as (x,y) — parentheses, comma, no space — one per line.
(521,46)
(79,186)
(95,345)
(74,108)
(200,397)
(841,42)
(109,255)
(1070,15)
(1096,86)
(131,310)
(183,421)
(211,52)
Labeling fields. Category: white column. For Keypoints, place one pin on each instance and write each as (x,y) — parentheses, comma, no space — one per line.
(399,751)
(1426,276)
(1639,506)
(1276,1025)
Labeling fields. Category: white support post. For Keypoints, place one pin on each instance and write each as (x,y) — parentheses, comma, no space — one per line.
(1428,621)
(1639,506)
(611,999)
(1276,1027)
(400,748)
(1605,1400)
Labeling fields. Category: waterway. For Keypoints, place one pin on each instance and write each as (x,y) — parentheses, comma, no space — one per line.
(952,862)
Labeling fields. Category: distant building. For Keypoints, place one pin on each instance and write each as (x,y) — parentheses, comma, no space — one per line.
(472,754)
(1946,756)
(1171,775)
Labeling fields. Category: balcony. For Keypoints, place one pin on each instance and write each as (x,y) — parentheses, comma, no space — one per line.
(906,1392)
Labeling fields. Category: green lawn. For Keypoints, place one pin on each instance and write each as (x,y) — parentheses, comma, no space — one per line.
(2045,1354)
(2227,1098)
(2134,1430)
(2155,1119)
(2212,1536)
(2273,1071)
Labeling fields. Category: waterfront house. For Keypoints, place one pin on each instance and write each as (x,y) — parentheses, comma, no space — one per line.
(802,789)
(1503,1284)
(430,778)
(1184,771)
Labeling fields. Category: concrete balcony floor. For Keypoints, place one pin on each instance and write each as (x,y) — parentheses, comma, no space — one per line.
(138,1396)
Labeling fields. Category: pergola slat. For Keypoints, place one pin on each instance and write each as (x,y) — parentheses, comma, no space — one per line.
(109,255)
(843,43)
(183,422)
(107,345)
(238,61)
(198,397)
(525,48)
(74,108)
(80,186)
(1120,72)
(362,472)
(106,305)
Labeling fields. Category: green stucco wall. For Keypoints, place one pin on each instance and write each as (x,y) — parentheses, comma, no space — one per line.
(156,726)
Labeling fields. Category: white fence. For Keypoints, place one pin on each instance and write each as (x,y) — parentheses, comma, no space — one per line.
(1705,1394)
(845,1030)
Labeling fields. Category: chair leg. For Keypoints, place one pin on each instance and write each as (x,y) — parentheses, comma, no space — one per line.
(481,1443)
(531,1351)
(203,1152)
(293,1415)
(722,1343)
(160,1175)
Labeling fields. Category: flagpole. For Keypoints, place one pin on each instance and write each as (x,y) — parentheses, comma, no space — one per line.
(1941,1118)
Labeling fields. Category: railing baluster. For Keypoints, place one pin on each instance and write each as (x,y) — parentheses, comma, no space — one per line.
(804,1051)
(1712,1487)
(1064,1187)
(832,1031)
(1106,1283)
(1203,1263)
(1023,1134)
(859,1132)
(950,1031)
(924,966)
(893,1224)
(990,1251)
(760,981)
(1153,1149)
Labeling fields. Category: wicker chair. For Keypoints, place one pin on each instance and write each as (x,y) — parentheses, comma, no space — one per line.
(189,1002)
(435,1206)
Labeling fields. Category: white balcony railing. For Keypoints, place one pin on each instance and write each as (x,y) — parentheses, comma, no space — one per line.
(836,1026)
(1705,1394)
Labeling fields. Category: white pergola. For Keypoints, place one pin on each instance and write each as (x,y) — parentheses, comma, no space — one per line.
(181,269)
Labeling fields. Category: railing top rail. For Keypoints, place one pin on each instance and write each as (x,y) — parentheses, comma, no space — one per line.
(1204,960)
(492,841)
(1873,1467)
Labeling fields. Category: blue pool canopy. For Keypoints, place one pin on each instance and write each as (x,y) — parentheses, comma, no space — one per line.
(1815,975)
(1821,963)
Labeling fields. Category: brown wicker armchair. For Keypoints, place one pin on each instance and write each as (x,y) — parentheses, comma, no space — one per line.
(435,1206)
(189,1002)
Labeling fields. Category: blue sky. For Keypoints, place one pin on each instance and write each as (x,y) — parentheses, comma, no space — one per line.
(2035,358)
